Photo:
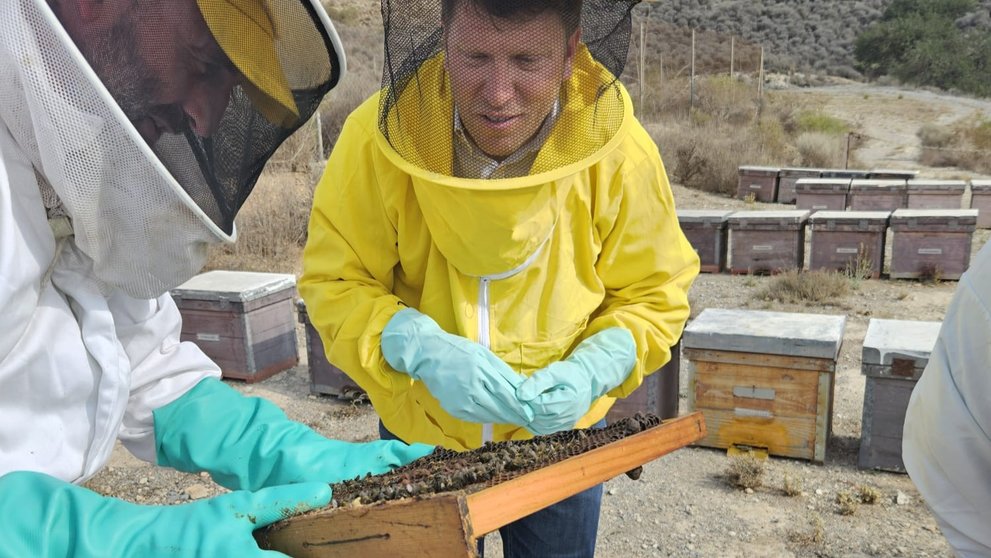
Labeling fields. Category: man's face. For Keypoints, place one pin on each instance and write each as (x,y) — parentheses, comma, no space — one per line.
(160,62)
(506,74)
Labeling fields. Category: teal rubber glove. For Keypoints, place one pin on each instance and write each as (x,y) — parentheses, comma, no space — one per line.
(562,393)
(44,517)
(468,380)
(249,443)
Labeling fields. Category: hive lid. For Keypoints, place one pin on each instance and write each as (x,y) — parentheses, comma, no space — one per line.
(758,331)
(242,286)
(888,340)
(844,173)
(927,184)
(800,172)
(756,169)
(878,185)
(822,185)
(893,173)
(934,216)
(703,215)
(797,216)
(850,217)
(980,184)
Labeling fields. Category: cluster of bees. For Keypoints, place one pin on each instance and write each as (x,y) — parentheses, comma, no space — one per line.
(447,471)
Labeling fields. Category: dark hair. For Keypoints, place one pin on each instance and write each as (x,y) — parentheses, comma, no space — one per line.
(570,11)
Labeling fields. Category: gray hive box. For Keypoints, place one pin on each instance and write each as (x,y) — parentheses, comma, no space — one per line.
(877,195)
(936,194)
(707,233)
(788,178)
(822,194)
(848,241)
(893,174)
(325,378)
(242,320)
(895,354)
(762,182)
(764,380)
(980,199)
(767,241)
(931,243)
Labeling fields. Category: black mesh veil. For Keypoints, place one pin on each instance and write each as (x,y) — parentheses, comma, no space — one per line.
(414,80)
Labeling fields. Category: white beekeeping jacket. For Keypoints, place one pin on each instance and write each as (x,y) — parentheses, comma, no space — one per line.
(946,445)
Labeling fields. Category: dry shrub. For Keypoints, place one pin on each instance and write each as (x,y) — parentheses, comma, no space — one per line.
(814,537)
(965,144)
(791,486)
(847,503)
(271,226)
(868,495)
(800,287)
(821,150)
(745,470)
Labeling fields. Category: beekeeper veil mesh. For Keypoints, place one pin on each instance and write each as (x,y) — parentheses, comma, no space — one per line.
(153,119)
(507,95)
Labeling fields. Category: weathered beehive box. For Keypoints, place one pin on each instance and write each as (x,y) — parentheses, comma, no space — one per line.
(242,320)
(706,231)
(325,378)
(657,395)
(980,199)
(895,354)
(893,174)
(767,241)
(788,178)
(761,182)
(764,380)
(936,194)
(877,195)
(822,194)
(931,243)
(848,241)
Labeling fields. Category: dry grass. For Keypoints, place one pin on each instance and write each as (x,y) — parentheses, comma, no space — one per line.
(746,470)
(792,287)
(814,537)
(965,144)
(868,495)
(847,503)
(791,486)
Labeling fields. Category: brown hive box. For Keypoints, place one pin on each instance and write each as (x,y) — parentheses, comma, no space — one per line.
(242,320)
(895,354)
(767,241)
(980,199)
(762,182)
(788,178)
(848,241)
(877,195)
(822,194)
(657,395)
(449,500)
(764,380)
(936,194)
(932,243)
(325,378)
(706,230)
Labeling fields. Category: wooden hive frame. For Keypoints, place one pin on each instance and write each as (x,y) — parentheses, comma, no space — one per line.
(448,524)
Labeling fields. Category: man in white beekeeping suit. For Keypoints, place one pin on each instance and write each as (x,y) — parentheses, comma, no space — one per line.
(131,132)
(946,445)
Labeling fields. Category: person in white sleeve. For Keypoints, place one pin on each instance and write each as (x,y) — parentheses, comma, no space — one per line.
(131,132)
(946,445)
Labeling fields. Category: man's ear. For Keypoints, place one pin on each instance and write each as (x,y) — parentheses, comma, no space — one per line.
(569,59)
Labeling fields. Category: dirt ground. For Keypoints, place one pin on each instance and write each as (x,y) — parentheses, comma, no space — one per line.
(682,505)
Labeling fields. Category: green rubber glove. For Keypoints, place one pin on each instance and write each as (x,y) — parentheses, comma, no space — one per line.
(44,517)
(249,443)
(562,393)
(468,380)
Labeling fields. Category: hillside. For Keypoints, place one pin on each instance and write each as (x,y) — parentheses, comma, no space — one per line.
(799,35)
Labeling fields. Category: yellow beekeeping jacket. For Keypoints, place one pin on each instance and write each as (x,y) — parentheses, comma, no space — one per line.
(527,266)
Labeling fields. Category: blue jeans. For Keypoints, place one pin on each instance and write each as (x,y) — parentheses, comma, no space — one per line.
(567,529)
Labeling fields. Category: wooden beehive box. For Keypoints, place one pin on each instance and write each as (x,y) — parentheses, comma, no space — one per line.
(853,174)
(893,174)
(822,194)
(325,378)
(657,395)
(706,230)
(449,523)
(936,194)
(877,195)
(767,241)
(242,320)
(788,178)
(933,243)
(764,380)
(895,354)
(980,199)
(848,241)
(761,182)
